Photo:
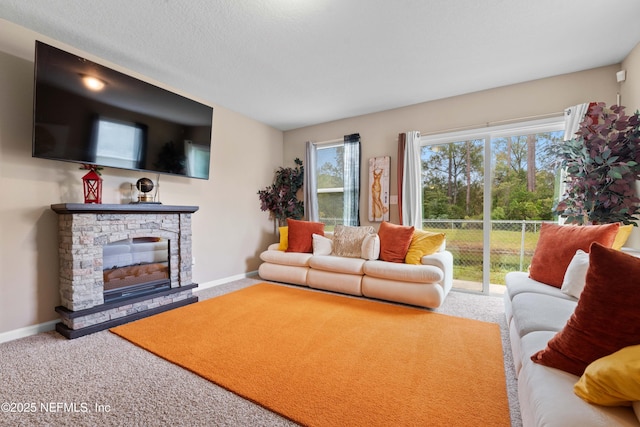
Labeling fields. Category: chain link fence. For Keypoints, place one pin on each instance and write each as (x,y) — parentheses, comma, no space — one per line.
(511,248)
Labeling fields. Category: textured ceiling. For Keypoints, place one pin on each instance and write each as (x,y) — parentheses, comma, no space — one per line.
(292,63)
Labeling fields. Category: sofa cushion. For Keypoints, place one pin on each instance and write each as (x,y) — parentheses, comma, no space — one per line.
(547,399)
(347,241)
(335,282)
(606,318)
(612,380)
(518,282)
(300,233)
(558,244)
(539,312)
(429,295)
(522,355)
(423,243)
(403,272)
(286,258)
(576,275)
(284,273)
(337,264)
(394,241)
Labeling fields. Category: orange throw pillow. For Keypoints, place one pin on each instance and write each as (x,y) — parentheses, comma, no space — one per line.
(607,317)
(558,244)
(394,241)
(300,235)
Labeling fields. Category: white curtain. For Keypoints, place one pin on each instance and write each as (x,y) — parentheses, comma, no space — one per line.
(310,190)
(573,116)
(412,182)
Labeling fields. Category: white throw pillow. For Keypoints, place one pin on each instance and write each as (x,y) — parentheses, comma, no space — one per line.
(576,274)
(321,245)
(371,247)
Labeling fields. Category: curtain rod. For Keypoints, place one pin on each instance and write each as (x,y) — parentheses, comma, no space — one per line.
(494,123)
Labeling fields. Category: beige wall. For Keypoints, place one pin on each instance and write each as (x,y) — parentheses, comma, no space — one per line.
(229,230)
(379,131)
(630,88)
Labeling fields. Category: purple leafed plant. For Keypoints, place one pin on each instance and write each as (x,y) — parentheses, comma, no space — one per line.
(281,197)
(602,164)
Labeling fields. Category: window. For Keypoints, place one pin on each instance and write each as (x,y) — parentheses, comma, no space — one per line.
(197,159)
(489,190)
(119,144)
(334,181)
(330,179)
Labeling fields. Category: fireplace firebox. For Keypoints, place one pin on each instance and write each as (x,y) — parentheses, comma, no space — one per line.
(120,263)
(135,267)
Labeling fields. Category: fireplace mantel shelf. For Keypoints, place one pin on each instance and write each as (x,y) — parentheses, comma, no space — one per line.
(79,208)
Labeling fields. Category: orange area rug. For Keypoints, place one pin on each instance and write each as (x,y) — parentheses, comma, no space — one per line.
(329,360)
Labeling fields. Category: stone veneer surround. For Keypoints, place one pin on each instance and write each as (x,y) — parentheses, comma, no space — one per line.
(83,230)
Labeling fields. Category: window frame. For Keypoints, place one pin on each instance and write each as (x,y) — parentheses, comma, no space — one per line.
(550,124)
(325,145)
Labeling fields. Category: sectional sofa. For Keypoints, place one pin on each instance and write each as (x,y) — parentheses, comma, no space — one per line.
(562,333)
(362,272)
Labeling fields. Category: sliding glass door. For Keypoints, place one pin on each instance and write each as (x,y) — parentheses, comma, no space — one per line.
(488,190)
(453,198)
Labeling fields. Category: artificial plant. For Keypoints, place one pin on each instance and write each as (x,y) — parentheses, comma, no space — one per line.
(602,164)
(281,197)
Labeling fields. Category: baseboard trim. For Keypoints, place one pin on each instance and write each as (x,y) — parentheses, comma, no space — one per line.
(27,331)
(214,283)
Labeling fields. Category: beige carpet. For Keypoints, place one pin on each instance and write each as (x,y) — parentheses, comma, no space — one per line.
(329,360)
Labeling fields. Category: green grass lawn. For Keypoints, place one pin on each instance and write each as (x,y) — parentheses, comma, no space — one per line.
(466,246)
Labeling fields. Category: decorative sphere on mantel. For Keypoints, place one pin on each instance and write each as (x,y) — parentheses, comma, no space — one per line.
(145,185)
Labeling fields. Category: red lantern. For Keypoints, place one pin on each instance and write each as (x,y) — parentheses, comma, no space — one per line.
(92,183)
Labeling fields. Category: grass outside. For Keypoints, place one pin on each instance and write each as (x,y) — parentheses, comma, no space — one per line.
(466,247)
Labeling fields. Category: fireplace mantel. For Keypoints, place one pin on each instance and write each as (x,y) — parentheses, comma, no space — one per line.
(78,208)
(85,229)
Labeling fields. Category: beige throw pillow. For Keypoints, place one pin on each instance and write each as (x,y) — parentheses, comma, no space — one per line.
(347,241)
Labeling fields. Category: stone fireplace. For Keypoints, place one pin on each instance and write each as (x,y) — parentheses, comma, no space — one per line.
(147,248)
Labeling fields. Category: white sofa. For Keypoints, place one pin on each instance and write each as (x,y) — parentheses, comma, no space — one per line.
(535,312)
(425,285)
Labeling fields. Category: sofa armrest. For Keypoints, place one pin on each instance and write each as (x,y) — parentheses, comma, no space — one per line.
(444,261)
(273,247)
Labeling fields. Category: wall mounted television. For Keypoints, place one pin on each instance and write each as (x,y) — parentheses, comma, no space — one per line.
(121,123)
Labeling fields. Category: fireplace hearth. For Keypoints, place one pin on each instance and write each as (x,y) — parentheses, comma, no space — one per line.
(120,263)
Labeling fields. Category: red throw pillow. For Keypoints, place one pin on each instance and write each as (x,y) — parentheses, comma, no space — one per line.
(558,244)
(607,317)
(300,235)
(394,241)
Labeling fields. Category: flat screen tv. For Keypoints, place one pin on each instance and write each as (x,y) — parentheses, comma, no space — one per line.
(87,113)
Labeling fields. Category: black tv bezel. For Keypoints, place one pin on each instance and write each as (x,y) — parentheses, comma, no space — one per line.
(156,89)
